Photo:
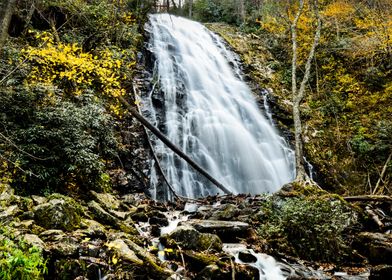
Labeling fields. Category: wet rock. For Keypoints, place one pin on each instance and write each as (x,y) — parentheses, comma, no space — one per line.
(100,214)
(34,240)
(228,231)
(209,272)
(377,247)
(246,272)
(92,228)
(247,257)
(9,214)
(190,208)
(6,194)
(66,247)
(198,260)
(133,199)
(381,272)
(90,249)
(39,199)
(58,213)
(189,238)
(225,212)
(158,218)
(122,251)
(119,214)
(52,235)
(24,203)
(28,225)
(27,215)
(107,201)
(140,217)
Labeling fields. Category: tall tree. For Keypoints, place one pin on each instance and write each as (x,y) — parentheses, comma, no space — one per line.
(6,10)
(242,10)
(299,93)
(190,8)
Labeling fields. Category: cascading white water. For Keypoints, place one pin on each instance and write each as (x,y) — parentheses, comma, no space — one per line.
(202,104)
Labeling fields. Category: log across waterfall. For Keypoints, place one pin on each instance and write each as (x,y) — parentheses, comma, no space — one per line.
(201,103)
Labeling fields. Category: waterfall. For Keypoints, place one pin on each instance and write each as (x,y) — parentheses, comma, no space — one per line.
(201,103)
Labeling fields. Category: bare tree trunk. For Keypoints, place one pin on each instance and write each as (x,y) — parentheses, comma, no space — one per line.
(242,10)
(6,10)
(172,146)
(299,94)
(190,8)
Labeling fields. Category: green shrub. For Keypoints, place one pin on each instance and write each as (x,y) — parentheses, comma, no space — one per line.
(19,260)
(310,228)
(55,144)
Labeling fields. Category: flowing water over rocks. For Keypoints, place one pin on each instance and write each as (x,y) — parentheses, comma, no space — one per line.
(202,104)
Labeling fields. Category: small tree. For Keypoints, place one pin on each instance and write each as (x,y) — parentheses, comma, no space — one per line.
(299,93)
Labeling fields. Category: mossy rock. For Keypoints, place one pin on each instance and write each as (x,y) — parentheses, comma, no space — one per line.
(189,238)
(60,212)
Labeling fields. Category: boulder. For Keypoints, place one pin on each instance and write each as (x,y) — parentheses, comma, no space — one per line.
(247,257)
(377,247)
(189,238)
(199,260)
(92,228)
(225,212)
(9,214)
(228,231)
(123,252)
(66,247)
(34,240)
(101,214)
(52,235)
(39,199)
(58,213)
(6,194)
(107,201)
(381,272)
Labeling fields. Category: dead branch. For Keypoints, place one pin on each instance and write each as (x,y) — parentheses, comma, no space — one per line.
(384,169)
(374,198)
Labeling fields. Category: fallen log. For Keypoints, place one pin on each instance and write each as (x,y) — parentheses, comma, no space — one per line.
(375,198)
(172,146)
(154,156)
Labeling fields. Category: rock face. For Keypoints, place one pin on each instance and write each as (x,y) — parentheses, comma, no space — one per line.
(58,213)
(228,231)
(189,238)
(381,272)
(376,246)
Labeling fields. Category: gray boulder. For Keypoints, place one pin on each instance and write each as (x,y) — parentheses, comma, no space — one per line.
(58,213)
(189,238)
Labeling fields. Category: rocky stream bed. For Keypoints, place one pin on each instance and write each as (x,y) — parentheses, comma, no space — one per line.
(132,237)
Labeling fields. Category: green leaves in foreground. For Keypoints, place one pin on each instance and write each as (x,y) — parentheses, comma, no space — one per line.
(20,261)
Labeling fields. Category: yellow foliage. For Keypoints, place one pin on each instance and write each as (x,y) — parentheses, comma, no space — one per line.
(74,71)
(340,10)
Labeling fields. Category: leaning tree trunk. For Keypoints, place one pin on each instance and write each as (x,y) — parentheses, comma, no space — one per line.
(6,10)
(299,94)
(173,147)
